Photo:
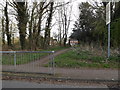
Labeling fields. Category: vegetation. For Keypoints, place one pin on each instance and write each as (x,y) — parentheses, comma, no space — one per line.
(33,23)
(90,27)
(22,18)
(86,58)
(7,25)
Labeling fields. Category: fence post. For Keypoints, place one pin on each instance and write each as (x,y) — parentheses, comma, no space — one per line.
(53,63)
(15,59)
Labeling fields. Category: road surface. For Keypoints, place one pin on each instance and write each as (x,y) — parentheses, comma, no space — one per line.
(24,84)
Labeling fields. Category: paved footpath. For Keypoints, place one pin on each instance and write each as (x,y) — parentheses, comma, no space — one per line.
(81,73)
(91,74)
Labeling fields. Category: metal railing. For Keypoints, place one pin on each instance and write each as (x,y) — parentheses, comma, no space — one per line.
(28,61)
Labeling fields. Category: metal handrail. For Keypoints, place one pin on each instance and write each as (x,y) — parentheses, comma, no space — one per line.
(27,51)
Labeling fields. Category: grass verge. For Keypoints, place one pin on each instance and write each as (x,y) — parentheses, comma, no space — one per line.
(85,59)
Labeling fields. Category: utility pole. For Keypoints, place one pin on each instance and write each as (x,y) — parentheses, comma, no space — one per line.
(108,20)
(108,40)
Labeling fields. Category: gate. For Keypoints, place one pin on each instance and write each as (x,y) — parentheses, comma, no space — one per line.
(28,61)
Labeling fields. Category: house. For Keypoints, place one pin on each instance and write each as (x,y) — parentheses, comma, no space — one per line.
(53,42)
(73,42)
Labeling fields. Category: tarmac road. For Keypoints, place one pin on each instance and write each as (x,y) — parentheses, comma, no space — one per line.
(24,84)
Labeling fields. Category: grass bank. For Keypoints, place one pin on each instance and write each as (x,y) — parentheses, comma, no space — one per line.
(86,58)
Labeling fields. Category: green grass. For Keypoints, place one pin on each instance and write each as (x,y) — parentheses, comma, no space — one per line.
(85,59)
(8,59)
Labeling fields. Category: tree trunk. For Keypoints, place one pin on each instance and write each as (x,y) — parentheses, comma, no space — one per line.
(65,37)
(7,27)
(39,30)
(22,22)
(3,31)
(47,29)
(30,29)
(41,11)
(34,36)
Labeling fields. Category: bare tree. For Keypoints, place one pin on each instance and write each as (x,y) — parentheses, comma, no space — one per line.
(3,31)
(64,15)
(42,11)
(59,25)
(48,24)
(31,26)
(7,25)
(22,18)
